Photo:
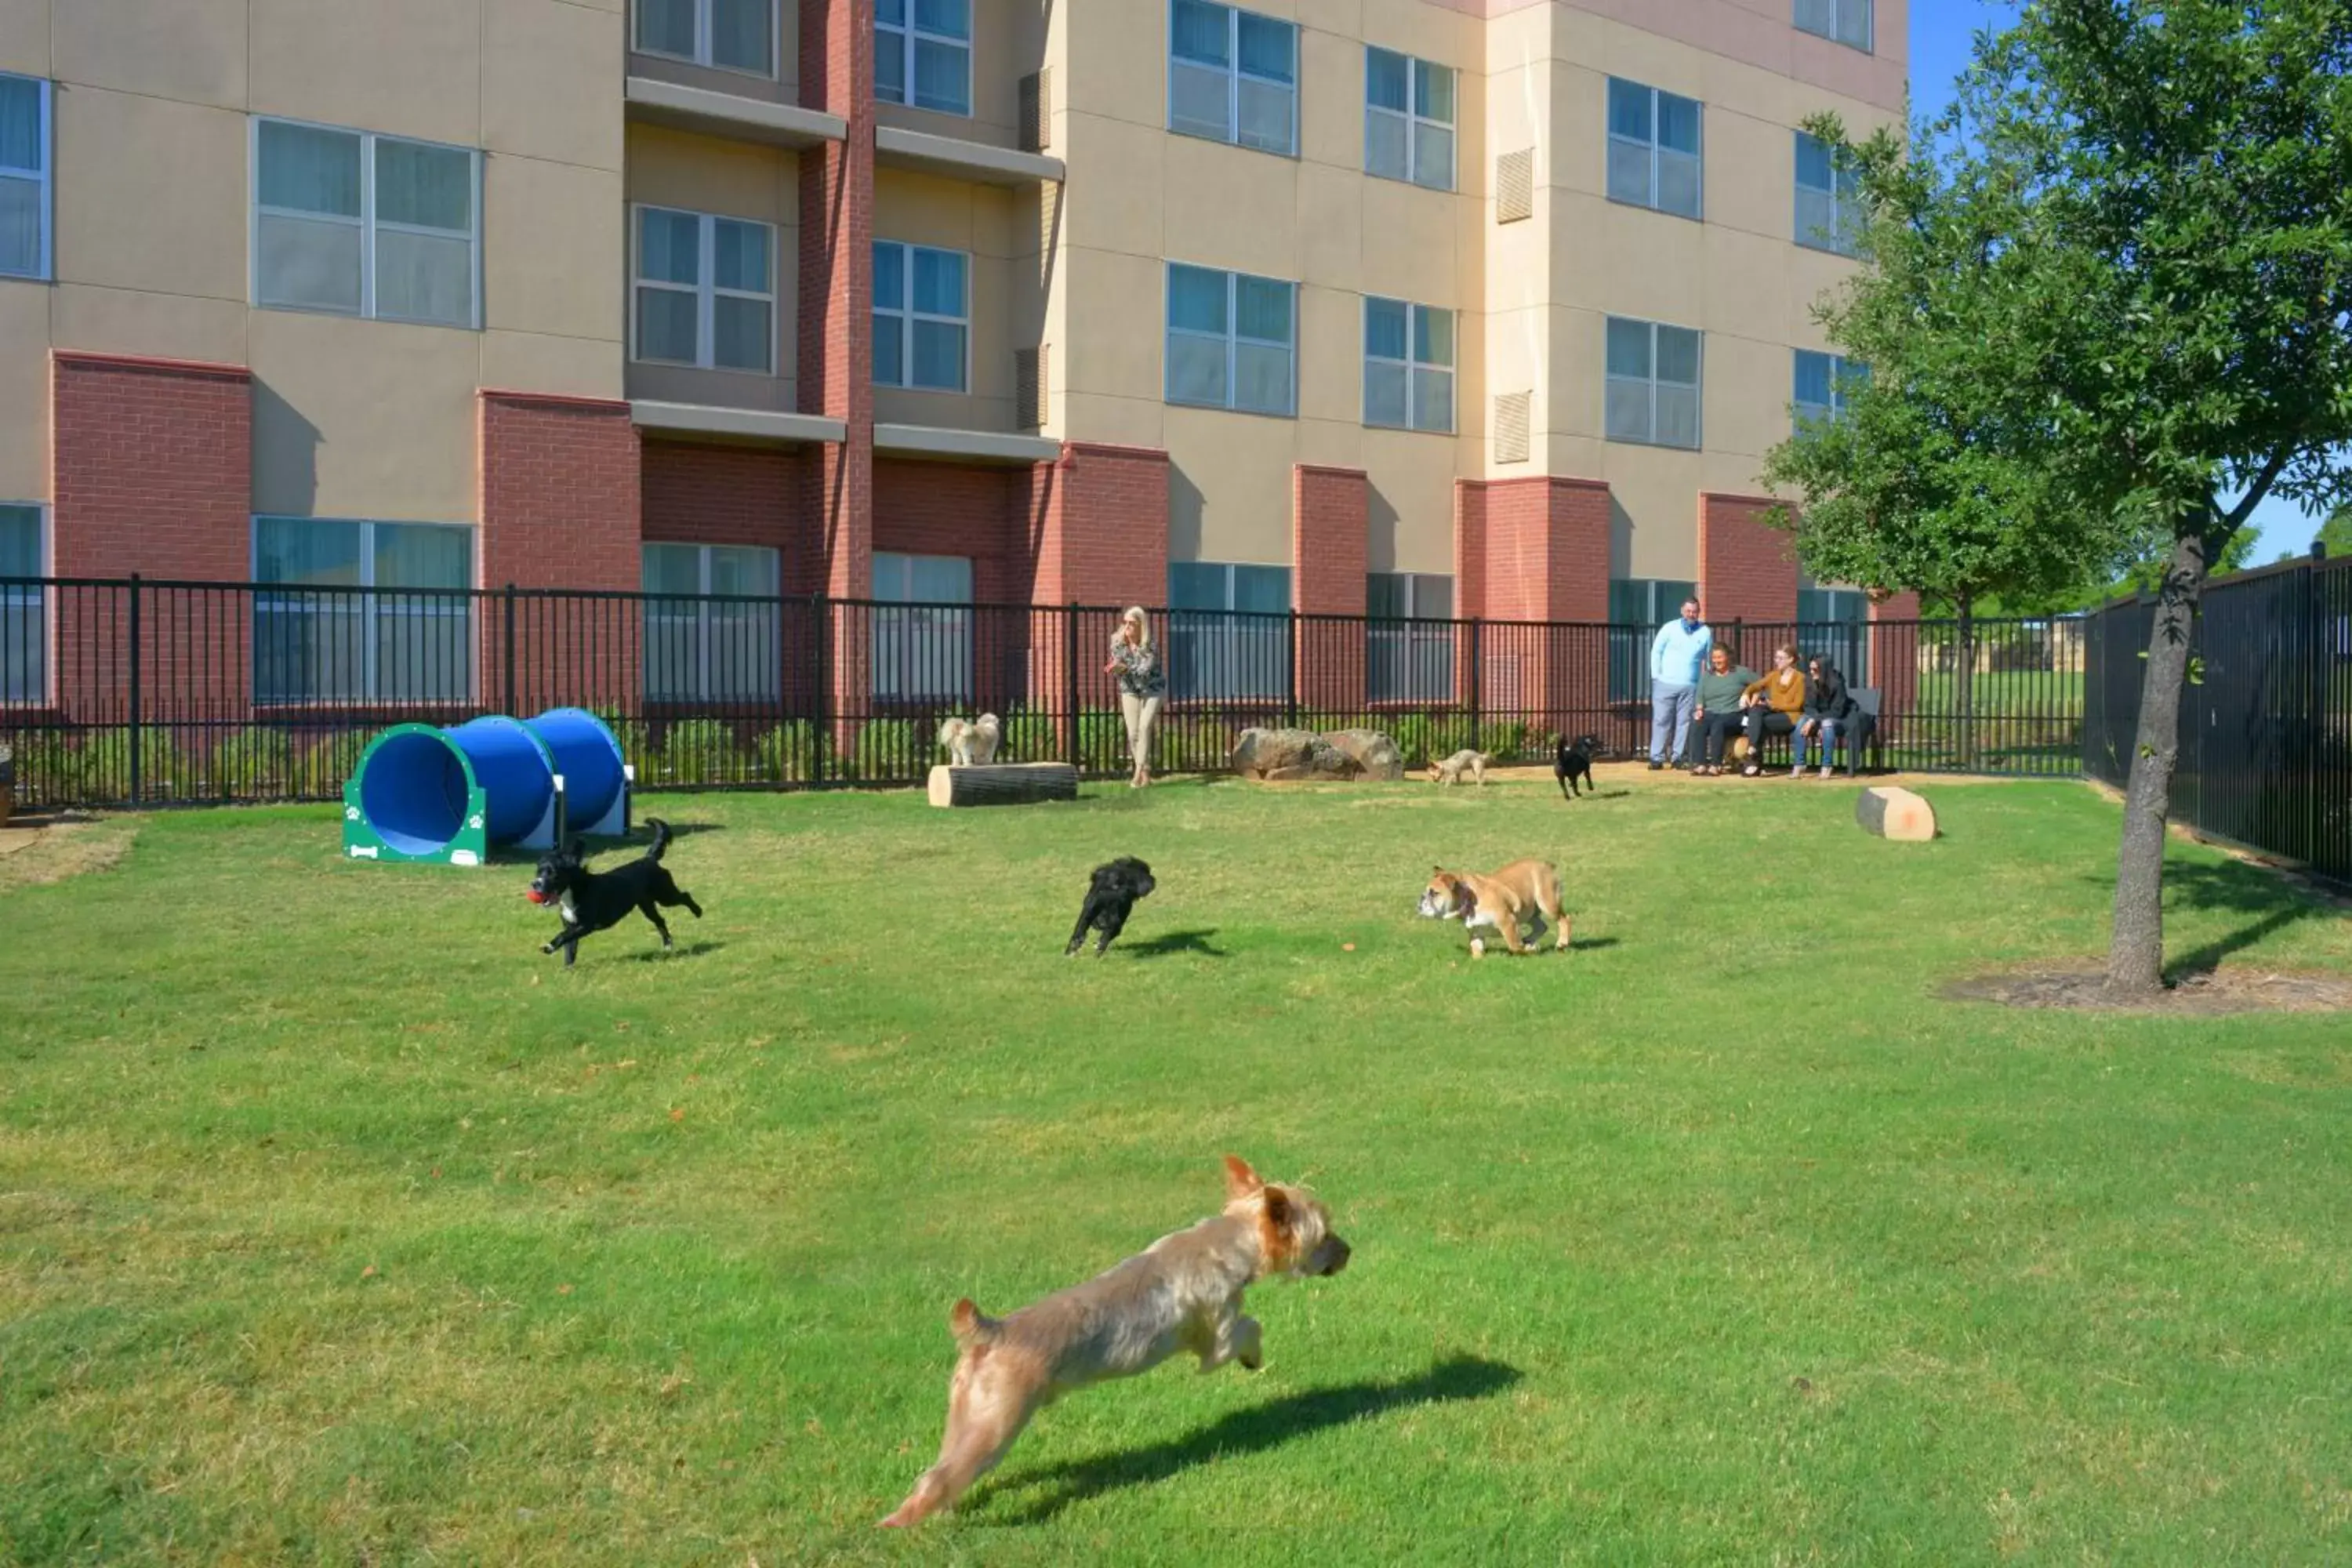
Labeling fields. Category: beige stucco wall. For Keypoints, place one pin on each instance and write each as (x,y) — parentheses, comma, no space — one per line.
(351,418)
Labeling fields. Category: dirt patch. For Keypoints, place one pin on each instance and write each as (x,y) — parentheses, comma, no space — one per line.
(39,850)
(2192,996)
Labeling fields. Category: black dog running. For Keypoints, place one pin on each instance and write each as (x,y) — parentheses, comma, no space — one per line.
(1110,897)
(591,901)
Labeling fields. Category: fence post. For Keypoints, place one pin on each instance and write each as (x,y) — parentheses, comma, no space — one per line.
(1070,683)
(135,736)
(508,643)
(821,734)
(1290,664)
(1477,666)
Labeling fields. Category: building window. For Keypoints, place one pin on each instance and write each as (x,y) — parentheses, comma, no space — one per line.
(1233,76)
(705,292)
(1228,631)
(922,627)
(1823,384)
(712,624)
(1408,367)
(360,224)
(731,35)
(1828,197)
(1409,637)
(1232,341)
(922,317)
(1835,626)
(24,608)
(1653,390)
(1408,119)
(1653,149)
(362,612)
(1845,21)
(922,54)
(23,176)
(1638,606)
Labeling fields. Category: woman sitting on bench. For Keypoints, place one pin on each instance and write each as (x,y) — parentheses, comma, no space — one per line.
(1721,713)
(1773,705)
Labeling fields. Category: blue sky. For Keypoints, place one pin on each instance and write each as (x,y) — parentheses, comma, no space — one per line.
(1941,31)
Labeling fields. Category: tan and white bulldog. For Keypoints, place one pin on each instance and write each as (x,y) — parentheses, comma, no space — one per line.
(1524,889)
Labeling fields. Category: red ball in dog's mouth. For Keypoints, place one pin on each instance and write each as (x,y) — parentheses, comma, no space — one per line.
(534,895)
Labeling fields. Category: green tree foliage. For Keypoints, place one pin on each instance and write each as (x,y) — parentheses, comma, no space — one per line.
(2336,534)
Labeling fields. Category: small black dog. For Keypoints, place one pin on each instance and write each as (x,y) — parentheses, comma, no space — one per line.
(1574,761)
(591,901)
(1110,897)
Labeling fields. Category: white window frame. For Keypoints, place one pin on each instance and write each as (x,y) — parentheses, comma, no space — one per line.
(1414,118)
(1409,657)
(1836,35)
(1840,240)
(1841,370)
(907,313)
(36,600)
(1415,368)
(1656,148)
(1698,387)
(1234,75)
(703,34)
(704,289)
(1232,338)
(923,650)
(907,35)
(768,685)
(366,598)
(367,222)
(1222,654)
(44,176)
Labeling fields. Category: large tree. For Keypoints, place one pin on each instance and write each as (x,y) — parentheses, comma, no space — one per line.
(2169,293)
(1932,475)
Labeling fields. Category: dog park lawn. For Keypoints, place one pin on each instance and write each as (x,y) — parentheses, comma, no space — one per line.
(336,1224)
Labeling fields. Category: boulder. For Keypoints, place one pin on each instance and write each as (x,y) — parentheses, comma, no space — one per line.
(1290,756)
(1376,755)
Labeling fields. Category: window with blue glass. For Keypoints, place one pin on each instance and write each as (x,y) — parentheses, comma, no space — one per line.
(1408,367)
(1848,21)
(922,317)
(1654,157)
(1233,341)
(1228,631)
(1408,119)
(922,54)
(1409,637)
(1828,197)
(1638,606)
(361,612)
(728,34)
(1233,76)
(1823,384)
(24,201)
(24,608)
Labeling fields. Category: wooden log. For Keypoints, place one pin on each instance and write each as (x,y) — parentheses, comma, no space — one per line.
(1003,784)
(1897,814)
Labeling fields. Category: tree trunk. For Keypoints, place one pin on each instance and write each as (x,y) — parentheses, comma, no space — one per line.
(2136,951)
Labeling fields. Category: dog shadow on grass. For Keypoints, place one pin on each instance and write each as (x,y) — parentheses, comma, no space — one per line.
(1253,1430)
(1161,946)
(683,949)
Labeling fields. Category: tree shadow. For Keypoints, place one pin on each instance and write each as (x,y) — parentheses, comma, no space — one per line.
(1250,1431)
(2232,886)
(1178,941)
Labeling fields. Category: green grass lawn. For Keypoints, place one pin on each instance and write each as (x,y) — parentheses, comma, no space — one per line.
(338,1225)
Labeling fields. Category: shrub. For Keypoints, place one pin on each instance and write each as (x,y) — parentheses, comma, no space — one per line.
(1032,738)
(102,769)
(787,753)
(886,752)
(700,752)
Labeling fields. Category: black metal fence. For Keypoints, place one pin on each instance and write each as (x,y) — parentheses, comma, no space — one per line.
(131,692)
(2266,721)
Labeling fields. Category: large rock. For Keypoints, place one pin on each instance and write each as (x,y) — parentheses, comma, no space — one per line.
(1279,756)
(1376,756)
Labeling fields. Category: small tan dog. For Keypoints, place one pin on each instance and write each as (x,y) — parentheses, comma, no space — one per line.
(1182,1293)
(1451,770)
(972,743)
(1522,889)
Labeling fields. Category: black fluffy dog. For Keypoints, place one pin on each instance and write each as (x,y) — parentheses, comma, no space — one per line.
(1110,897)
(1574,761)
(591,901)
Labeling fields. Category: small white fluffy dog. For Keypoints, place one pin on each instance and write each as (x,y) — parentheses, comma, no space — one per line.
(972,742)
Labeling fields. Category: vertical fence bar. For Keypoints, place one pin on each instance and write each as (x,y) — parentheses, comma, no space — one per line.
(1073,745)
(507,648)
(1478,673)
(135,694)
(821,699)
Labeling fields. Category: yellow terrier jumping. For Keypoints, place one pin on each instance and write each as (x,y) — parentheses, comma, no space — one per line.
(1524,889)
(1181,1293)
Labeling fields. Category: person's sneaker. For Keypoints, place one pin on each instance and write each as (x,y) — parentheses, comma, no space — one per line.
(1798,772)
(1657,767)
(1828,772)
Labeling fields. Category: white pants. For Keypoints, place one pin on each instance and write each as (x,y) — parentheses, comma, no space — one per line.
(1142,713)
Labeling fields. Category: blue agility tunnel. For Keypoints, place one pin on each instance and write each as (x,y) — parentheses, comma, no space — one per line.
(450,796)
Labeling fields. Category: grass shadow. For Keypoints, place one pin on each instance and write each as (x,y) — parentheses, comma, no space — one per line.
(1178,941)
(1257,1430)
(1591,944)
(684,950)
(2232,887)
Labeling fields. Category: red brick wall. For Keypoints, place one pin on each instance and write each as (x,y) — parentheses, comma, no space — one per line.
(152,472)
(836,295)
(562,503)
(1747,568)
(1097,526)
(1331,522)
(1537,550)
(734,495)
(955,508)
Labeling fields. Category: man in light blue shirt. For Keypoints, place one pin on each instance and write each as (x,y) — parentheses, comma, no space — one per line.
(1676,655)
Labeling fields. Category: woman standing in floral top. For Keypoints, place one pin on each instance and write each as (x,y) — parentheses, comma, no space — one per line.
(1142,686)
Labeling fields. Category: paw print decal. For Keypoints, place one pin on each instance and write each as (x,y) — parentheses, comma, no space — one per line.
(351,814)
(474,822)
